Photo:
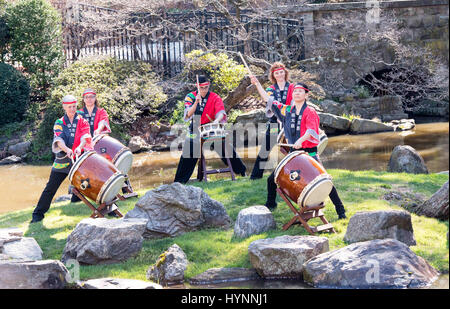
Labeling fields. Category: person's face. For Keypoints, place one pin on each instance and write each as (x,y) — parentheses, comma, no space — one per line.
(299,95)
(280,75)
(70,109)
(204,90)
(89,100)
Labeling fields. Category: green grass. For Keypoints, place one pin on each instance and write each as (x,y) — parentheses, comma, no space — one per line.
(360,191)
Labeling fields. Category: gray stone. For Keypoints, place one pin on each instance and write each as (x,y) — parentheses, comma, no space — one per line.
(19,149)
(381,263)
(63,198)
(332,107)
(254,116)
(175,209)
(405,159)
(104,241)
(45,274)
(170,267)
(333,122)
(221,275)
(436,206)
(23,248)
(254,220)
(284,256)
(137,144)
(11,231)
(10,160)
(117,283)
(369,225)
(363,126)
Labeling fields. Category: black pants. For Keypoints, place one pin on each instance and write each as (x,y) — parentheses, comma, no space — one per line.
(53,184)
(272,194)
(191,154)
(266,147)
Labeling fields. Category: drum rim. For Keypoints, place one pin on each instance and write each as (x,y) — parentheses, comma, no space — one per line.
(80,160)
(114,178)
(280,135)
(285,160)
(119,153)
(98,137)
(122,155)
(308,189)
(322,145)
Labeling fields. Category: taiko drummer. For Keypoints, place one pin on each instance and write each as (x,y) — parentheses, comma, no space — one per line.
(301,128)
(71,137)
(96,116)
(202,107)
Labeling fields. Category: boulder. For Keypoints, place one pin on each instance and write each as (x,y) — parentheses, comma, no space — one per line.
(104,241)
(254,220)
(436,206)
(10,160)
(380,263)
(255,116)
(284,256)
(332,107)
(20,248)
(221,275)
(332,123)
(117,283)
(170,267)
(137,144)
(405,159)
(363,126)
(45,274)
(369,225)
(175,209)
(63,198)
(251,127)
(19,149)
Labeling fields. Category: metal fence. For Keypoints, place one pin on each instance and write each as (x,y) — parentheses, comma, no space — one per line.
(165,48)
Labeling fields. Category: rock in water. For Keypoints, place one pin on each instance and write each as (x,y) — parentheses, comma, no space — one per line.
(283,256)
(117,283)
(175,209)
(405,159)
(381,263)
(104,241)
(369,225)
(170,267)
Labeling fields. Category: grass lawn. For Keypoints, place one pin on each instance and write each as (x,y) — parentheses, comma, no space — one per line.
(360,191)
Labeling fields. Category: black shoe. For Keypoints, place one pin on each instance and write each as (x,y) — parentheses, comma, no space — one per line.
(35,220)
(243,174)
(342,216)
(271,207)
(112,214)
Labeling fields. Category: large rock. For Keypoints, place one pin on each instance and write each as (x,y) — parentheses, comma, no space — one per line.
(221,275)
(254,220)
(104,241)
(175,209)
(45,274)
(251,127)
(436,206)
(10,160)
(117,283)
(23,248)
(137,144)
(332,107)
(369,225)
(170,267)
(405,159)
(284,256)
(332,123)
(363,126)
(381,263)
(19,149)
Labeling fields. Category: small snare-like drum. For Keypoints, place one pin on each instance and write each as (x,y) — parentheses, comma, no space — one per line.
(212,130)
(303,179)
(282,140)
(323,142)
(114,151)
(96,177)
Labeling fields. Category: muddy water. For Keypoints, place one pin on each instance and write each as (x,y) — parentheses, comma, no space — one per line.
(21,185)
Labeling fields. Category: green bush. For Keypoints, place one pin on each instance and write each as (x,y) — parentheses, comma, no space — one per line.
(124,89)
(14,94)
(4,37)
(36,40)
(225,73)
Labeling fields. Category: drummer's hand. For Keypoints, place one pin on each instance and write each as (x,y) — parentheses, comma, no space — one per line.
(69,152)
(96,132)
(78,151)
(253,80)
(298,144)
(198,98)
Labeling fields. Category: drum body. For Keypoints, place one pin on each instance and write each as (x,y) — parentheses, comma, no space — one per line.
(96,177)
(303,179)
(114,151)
(212,130)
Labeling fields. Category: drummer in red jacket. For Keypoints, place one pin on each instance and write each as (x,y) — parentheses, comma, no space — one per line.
(301,128)
(202,108)
(71,136)
(96,116)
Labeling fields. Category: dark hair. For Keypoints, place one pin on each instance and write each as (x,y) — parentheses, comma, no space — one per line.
(202,79)
(84,104)
(303,85)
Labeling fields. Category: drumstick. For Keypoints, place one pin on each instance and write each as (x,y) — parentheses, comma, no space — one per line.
(285,145)
(209,118)
(245,64)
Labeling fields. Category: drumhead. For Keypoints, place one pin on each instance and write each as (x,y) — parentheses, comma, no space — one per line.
(78,163)
(124,161)
(322,144)
(285,160)
(111,188)
(316,192)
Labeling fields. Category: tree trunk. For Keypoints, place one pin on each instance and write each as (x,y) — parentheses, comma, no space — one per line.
(437,205)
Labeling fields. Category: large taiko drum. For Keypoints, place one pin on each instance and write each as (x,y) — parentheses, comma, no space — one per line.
(323,142)
(303,179)
(96,177)
(114,151)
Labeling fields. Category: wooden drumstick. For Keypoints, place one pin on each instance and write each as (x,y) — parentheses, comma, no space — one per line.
(285,145)
(245,64)
(209,118)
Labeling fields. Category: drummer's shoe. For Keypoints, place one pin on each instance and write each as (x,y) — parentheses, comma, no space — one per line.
(342,216)
(113,214)
(271,207)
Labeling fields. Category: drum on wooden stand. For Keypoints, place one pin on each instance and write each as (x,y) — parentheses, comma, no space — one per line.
(96,178)
(303,179)
(212,130)
(114,151)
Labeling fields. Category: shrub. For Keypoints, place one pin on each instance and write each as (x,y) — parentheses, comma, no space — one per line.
(124,89)
(14,94)
(225,73)
(4,37)
(36,40)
